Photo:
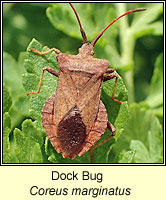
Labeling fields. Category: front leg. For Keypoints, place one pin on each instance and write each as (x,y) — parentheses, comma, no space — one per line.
(112,75)
(57,51)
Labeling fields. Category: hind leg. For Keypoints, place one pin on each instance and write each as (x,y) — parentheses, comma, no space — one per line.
(112,129)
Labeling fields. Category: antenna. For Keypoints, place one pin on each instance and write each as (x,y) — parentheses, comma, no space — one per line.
(81,29)
(101,33)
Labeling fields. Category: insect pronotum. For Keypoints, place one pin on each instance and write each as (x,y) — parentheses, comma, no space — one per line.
(75,118)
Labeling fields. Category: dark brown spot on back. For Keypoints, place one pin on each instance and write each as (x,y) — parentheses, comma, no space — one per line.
(71,132)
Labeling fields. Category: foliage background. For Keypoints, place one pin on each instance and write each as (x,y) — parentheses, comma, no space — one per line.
(133,47)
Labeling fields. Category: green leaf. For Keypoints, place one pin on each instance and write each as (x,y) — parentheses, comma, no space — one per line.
(12,77)
(143,134)
(24,146)
(155,97)
(7,101)
(118,114)
(126,157)
(142,154)
(28,143)
(6,131)
(7,153)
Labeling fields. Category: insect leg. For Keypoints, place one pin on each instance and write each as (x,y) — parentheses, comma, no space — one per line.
(112,129)
(57,51)
(50,70)
(111,76)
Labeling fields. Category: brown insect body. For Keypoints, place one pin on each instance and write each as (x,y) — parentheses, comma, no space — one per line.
(75,118)
(73,124)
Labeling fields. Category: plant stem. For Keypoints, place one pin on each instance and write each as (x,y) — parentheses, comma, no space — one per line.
(127,43)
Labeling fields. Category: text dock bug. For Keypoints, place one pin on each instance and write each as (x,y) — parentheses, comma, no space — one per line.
(75,118)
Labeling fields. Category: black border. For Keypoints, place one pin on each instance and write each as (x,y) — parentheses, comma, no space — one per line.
(82,164)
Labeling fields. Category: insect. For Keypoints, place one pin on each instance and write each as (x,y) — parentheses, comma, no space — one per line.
(75,118)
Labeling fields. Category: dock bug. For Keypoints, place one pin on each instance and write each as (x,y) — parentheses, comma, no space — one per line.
(75,118)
